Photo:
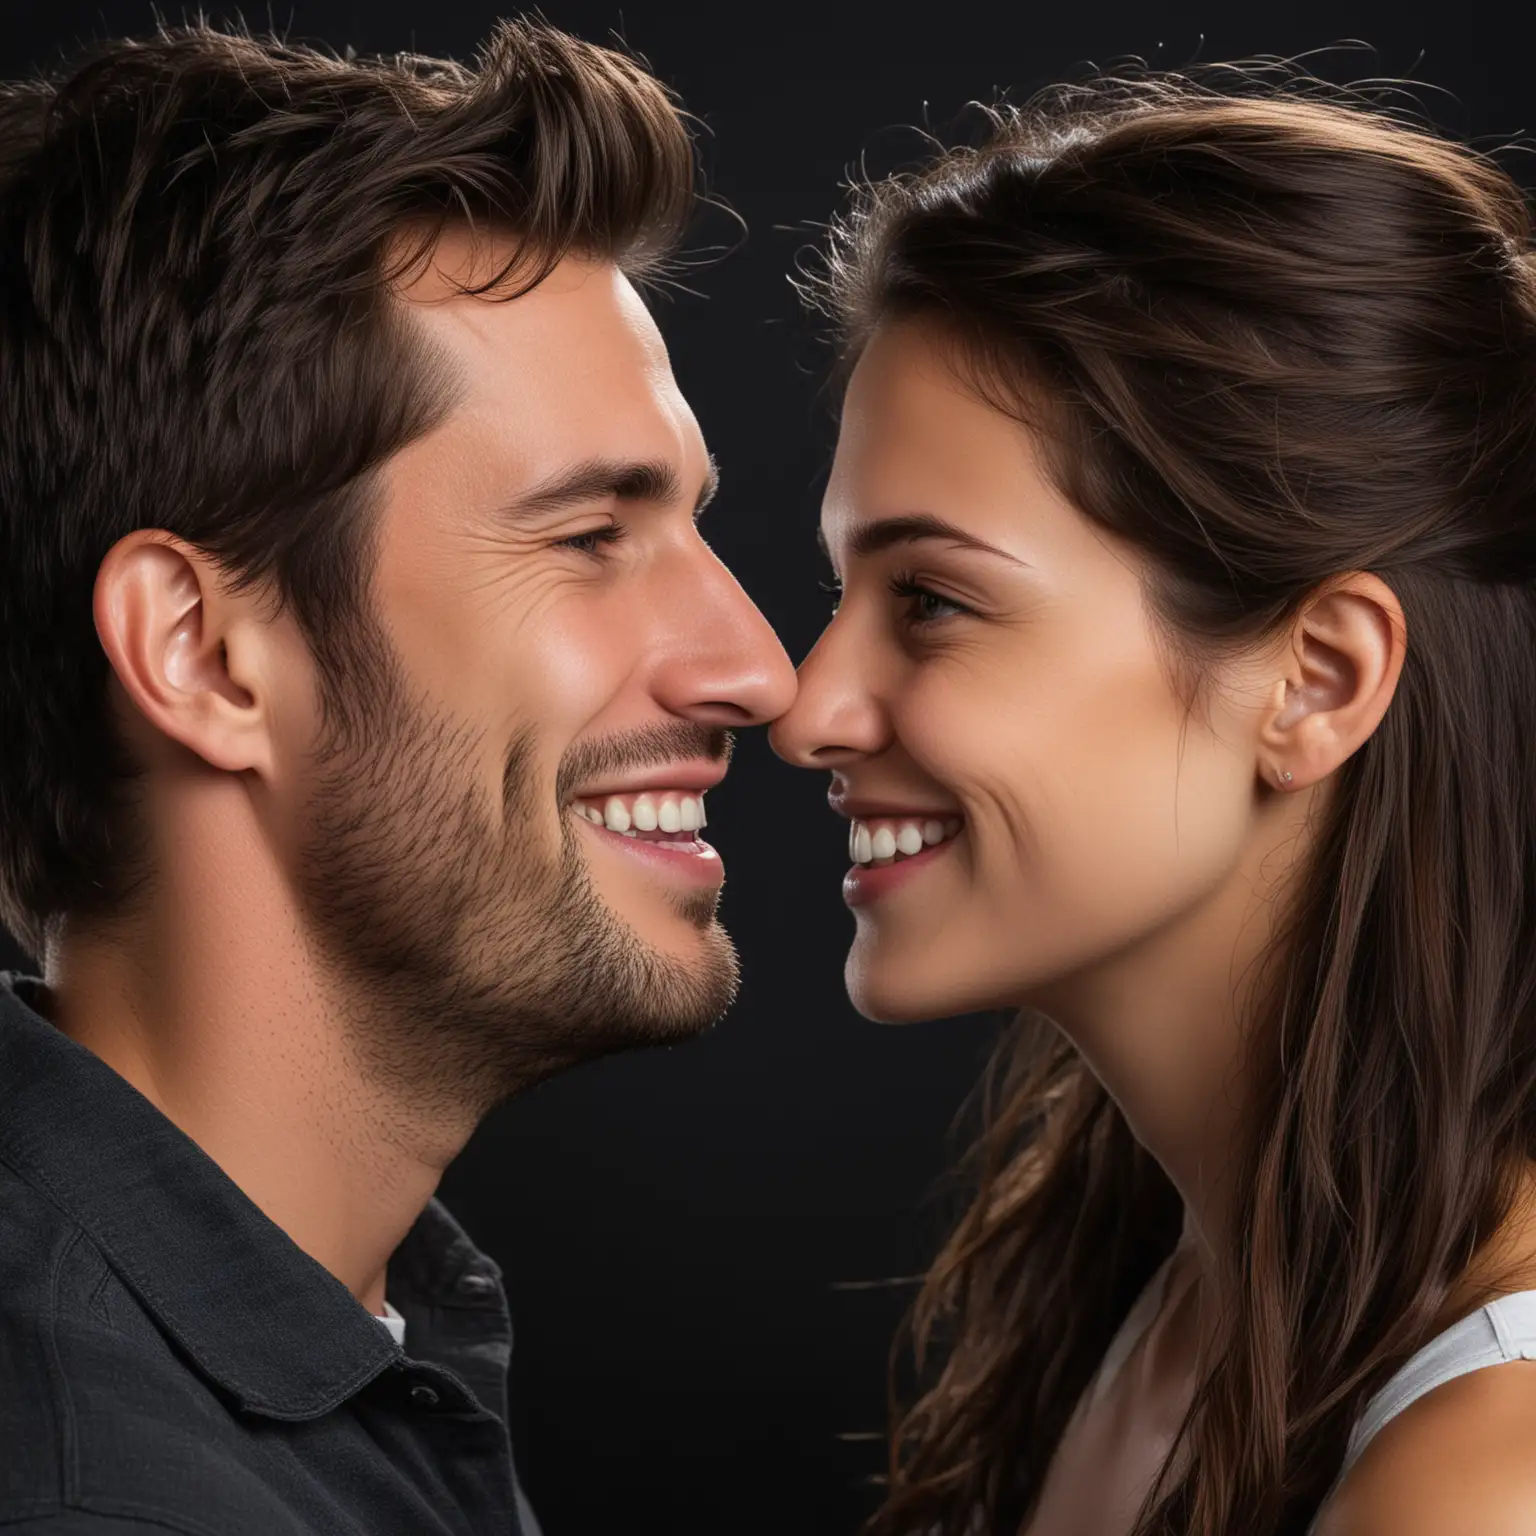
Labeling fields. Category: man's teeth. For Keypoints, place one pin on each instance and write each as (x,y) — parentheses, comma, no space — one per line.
(872,842)
(663,810)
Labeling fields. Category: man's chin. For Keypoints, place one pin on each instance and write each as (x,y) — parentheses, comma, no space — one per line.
(670,975)
(698,908)
(699,988)
(679,1004)
(667,922)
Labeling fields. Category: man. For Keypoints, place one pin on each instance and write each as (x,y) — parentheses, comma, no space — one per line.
(365,672)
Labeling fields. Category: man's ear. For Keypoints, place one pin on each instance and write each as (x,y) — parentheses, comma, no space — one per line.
(187,661)
(1338,675)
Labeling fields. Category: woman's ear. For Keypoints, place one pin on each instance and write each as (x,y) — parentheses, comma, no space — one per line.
(1337,676)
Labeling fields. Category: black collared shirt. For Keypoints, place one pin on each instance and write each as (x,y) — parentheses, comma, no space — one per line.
(170,1360)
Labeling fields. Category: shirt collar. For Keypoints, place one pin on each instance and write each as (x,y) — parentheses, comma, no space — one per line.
(259,1316)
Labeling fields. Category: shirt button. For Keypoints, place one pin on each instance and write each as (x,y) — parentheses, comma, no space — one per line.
(476,1285)
(423,1397)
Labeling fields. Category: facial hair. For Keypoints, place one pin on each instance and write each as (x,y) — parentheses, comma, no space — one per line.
(472,956)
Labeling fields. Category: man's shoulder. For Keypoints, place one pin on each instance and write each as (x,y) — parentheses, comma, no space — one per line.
(33,1230)
(62,1520)
(49,1273)
(57,1519)
(102,1422)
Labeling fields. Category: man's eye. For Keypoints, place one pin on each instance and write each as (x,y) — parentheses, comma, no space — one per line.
(588,543)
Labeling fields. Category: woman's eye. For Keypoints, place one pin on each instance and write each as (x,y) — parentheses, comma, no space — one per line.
(927,607)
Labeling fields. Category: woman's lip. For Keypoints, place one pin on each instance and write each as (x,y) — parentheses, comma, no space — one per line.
(854,809)
(863,883)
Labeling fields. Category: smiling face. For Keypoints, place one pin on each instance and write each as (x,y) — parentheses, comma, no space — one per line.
(1013,695)
(555,636)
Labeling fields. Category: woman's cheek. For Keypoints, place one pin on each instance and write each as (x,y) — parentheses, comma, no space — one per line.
(953,724)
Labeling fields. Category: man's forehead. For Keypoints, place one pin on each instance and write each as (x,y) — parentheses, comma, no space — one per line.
(583,315)
(572,373)
(460,255)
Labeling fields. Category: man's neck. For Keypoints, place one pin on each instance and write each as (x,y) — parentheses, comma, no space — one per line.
(266,1087)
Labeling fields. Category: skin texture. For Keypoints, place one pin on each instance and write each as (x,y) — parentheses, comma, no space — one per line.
(376,917)
(1459,1459)
(1120,860)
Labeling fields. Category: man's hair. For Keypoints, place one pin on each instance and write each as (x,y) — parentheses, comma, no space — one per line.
(200,232)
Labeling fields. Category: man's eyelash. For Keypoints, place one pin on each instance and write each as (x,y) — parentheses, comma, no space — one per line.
(609,533)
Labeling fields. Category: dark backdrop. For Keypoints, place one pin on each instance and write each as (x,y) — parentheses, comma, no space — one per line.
(686,1232)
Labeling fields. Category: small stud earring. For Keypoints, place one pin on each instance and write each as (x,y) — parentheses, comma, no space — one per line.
(1285,778)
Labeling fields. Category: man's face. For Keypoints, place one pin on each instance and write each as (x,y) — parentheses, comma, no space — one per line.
(539,656)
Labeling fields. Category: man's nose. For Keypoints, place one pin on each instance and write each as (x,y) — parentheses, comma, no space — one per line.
(732,668)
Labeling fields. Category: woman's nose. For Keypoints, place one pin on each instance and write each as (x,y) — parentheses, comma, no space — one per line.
(834,716)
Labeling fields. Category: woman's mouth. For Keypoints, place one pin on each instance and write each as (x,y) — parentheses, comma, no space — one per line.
(889,850)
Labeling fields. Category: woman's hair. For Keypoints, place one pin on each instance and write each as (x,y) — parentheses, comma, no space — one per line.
(200,234)
(1269,334)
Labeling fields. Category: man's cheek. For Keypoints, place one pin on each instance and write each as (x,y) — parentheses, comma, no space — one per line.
(584,661)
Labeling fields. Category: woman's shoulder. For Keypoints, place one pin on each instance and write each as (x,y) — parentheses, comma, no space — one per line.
(1462,1458)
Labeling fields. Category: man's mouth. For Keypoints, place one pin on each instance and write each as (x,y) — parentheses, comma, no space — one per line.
(654,815)
(660,828)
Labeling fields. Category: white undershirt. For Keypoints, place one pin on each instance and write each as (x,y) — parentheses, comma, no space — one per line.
(393,1322)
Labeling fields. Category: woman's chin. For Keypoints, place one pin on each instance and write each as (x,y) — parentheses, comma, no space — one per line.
(883,996)
(882,1012)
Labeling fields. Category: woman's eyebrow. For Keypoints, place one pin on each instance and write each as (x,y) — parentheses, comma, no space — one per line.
(881,533)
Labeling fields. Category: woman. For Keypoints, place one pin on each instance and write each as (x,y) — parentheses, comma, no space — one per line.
(1181,695)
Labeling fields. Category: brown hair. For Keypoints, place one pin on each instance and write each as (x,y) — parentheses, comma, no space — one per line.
(1271,334)
(199,232)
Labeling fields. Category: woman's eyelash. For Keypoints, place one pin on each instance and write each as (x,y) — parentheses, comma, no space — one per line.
(905,584)
(609,533)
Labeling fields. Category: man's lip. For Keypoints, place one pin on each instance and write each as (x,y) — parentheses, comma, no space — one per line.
(859,808)
(697,777)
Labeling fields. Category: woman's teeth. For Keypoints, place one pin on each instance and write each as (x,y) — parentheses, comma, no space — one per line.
(885,840)
(660,812)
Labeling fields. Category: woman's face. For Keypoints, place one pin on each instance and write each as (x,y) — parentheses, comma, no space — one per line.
(1021,694)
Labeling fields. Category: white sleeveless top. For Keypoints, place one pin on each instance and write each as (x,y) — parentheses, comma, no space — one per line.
(1499,1331)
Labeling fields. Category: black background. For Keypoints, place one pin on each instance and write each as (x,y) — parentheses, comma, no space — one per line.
(686,1232)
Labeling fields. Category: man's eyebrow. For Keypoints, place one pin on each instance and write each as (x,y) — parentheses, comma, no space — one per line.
(602,479)
(872,537)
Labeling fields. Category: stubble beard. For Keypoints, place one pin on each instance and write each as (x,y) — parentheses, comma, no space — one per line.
(470,962)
